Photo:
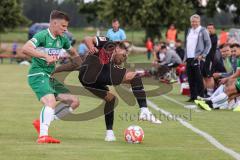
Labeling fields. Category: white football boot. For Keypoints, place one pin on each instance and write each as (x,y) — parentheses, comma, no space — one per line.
(110,137)
(146,115)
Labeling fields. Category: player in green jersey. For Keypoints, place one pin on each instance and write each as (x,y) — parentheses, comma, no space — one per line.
(226,92)
(46,48)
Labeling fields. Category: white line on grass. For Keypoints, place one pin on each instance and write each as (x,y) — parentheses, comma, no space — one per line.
(180,103)
(173,100)
(205,135)
(192,107)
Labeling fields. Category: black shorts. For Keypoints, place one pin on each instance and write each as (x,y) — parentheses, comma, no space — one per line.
(207,68)
(95,76)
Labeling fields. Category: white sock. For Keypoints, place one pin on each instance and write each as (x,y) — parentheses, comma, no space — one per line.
(224,105)
(219,90)
(144,109)
(46,117)
(62,110)
(219,100)
(209,91)
(232,103)
(110,132)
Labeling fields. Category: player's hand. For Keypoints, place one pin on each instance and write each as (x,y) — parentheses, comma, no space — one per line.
(51,59)
(92,50)
(223,81)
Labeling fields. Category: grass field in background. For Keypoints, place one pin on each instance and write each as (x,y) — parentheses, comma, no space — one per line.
(21,35)
(85,140)
(136,36)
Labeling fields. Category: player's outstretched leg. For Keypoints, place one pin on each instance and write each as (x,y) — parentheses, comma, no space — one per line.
(220,101)
(139,93)
(219,90)
(68,103)
(215,102)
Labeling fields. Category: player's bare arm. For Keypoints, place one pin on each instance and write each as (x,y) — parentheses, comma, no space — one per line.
(90,43)
(234,76)
(30,50)
(73,52)
(74,63)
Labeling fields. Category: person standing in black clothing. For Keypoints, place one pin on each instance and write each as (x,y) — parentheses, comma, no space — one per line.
(208,65)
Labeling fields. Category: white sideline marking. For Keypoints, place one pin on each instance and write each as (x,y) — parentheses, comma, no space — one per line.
(205,135)
(180,103)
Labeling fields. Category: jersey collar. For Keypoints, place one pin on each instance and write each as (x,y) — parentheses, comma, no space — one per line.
(114,30)
(51,34)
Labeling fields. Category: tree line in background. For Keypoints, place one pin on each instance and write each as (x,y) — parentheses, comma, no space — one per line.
(154,14)
(39,10)
(11,14)
(149,15)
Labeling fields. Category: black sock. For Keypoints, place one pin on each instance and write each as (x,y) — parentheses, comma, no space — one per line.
(109,114)
(209,102)
(138,91)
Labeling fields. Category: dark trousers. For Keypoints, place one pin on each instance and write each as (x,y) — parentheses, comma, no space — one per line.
(195,78)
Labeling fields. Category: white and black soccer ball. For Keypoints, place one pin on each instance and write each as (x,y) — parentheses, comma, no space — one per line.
(134,134)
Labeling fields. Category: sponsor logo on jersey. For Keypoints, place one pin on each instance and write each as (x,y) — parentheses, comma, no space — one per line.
(54,52)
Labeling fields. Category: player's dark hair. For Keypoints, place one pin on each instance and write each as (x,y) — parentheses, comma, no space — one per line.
(223,45)
(55,14)
(235,45)
(210,24)
(163,47)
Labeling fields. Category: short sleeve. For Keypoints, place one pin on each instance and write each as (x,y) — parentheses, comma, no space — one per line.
(123,35)
(238,63)
(66,43)
(38,39)
(101,41)
(108,33)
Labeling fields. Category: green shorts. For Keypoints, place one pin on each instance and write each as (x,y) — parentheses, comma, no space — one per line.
(42,84)
(237,84)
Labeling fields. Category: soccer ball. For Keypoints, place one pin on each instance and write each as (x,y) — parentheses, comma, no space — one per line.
(134,134)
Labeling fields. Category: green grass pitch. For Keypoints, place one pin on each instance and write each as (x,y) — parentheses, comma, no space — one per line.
(85,140)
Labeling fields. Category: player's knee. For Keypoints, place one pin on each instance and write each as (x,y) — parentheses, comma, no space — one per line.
(110,102)
(230,89)
(109,97)
(49,101)
(136,83)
